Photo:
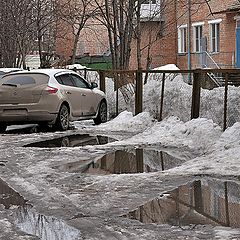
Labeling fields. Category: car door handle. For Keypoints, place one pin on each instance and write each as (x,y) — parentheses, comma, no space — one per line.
(83,94)
(68,92)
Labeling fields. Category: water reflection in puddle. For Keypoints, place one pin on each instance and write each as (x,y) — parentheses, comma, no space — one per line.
(206,201)
(135,161)
(44,227)
(72,141)
(31,222)
(9,197)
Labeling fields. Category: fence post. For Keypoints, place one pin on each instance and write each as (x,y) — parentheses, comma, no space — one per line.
(225,102)
(196,94)
(139,161)
(198,199)
(117,91)
(139,93)
(162,97)
(102,81)
(226,204)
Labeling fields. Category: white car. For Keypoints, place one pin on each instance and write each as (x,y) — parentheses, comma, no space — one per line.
(4,71)
(49,97)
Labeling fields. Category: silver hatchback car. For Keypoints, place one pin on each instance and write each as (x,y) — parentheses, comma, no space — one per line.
(49,97)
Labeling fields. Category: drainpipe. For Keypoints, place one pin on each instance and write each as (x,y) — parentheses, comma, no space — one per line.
(189,40)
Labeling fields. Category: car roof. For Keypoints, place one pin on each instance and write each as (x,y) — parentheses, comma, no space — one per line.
(48,71)
(7,70)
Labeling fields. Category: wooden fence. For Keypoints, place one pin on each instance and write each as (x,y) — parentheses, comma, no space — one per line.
(198,76)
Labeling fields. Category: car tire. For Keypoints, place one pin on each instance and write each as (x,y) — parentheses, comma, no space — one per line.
(102,113)
(3,127)
(62,122)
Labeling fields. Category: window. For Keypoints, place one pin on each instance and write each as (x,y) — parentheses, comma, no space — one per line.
(65,80)
(25,79)
(21,80)
(198,29)
(149,1)
(182,39)
(215,37)
(79,82)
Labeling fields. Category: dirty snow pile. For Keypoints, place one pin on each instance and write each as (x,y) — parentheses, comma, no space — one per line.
(177,98)
(197,134)
(223,159)
(126,122)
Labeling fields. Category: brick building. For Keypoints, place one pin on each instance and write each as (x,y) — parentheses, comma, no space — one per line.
(93,39)
(158,35)
(212,34)
(213,39)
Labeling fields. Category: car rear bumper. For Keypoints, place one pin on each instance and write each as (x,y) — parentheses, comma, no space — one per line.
(19,115)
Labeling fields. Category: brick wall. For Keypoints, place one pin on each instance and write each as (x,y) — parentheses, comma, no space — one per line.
(93,38)
(163,38)
(201,13)
(64,41)
(165,48)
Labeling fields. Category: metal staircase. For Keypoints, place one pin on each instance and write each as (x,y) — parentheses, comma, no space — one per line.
(218,79)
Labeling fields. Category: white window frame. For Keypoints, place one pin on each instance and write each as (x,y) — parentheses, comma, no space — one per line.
(237,18)
(197,36)
(150,2)
(214,40)
(182,39)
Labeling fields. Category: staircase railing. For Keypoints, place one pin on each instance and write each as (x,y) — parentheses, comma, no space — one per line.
(208,62)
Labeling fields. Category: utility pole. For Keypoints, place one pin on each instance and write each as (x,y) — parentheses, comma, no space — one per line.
(189,40)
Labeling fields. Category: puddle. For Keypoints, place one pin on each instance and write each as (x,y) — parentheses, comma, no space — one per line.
(135,161)
(72,141)
(45,227)
(205,201)
(9,197)
(31,222)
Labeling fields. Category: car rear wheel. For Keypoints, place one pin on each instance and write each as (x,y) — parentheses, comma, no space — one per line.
(3,127)
(102,113)
(62,122)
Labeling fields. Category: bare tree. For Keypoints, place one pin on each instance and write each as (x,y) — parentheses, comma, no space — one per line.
(44,15)
(26,25)
(8,49)
(76,13)
(118,18)
(23,27)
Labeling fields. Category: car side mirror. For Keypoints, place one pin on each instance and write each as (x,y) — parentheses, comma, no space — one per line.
(94,85)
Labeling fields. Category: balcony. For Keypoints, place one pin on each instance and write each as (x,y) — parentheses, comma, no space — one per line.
(150,11)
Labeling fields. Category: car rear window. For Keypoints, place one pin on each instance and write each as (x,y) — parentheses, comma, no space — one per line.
(25,79)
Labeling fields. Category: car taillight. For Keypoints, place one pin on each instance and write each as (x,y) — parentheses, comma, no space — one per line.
(51,90)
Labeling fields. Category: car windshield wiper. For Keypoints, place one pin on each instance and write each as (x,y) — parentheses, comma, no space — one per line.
(10,84)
